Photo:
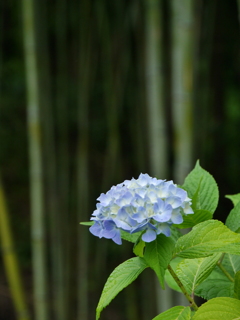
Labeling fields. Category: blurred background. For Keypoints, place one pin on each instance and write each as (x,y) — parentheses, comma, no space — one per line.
(93,92)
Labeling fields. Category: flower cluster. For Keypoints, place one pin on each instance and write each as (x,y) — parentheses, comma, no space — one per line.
(144,204)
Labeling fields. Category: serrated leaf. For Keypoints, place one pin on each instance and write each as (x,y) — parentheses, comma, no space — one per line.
(219,308)
(119,279)
(231,263)
(233,219)
(191,220)
(207,238)
(237,285)
(218,284)
(192,272)
(202,189)
(235,198)
(175,313)
(131,237)
(158,254)
(211,289)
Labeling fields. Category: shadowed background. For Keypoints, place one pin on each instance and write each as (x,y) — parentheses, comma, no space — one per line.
(93,92)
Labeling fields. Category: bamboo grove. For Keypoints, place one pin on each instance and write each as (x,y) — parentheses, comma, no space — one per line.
(92,93)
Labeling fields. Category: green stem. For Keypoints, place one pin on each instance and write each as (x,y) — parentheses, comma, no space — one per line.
(184,291)
(223,269)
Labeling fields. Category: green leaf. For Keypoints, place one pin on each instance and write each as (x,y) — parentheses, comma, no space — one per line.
(235,198)
(168,277)
(202,189)
(191,220)
(131,237)
(119,279)
(218,284)
(175,313)
(231,263)
(211,289)
(237,285)
(138,248)
(192,272)
(219,309)
(88,223)
(158,254)
(175,233)
(206,238)
(233,219)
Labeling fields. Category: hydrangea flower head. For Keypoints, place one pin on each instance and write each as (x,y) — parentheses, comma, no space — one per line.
(145,204)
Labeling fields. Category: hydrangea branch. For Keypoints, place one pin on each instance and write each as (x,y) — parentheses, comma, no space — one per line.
(181,286)
(221,267)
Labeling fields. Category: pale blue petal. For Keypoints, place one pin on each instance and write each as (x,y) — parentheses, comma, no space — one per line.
(163,217)
(144,179)
(125,199)
(105,199)
(177,218)
(140,215)
(175,202)
(187,209)
(149,235)
(117,238)
(164,228)
(96,229)
(140,227)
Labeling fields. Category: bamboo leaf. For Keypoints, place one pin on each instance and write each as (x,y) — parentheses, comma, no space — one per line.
(219,308)
(158,254)
(175,313)
(11,262)
(119,279)
(207,238)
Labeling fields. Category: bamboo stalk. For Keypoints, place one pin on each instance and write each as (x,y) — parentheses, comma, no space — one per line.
(154,83)
(63,158)
(182,84)
(182,95)
(86,70)
(11,261)
(35,153)
(238,2)
(53,199)
(113,89)
(156,112)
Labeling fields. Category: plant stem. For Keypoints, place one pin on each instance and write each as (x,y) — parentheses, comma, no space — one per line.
(184,291)
(219,264)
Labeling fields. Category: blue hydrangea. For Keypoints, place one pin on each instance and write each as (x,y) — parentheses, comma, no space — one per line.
(145,204)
